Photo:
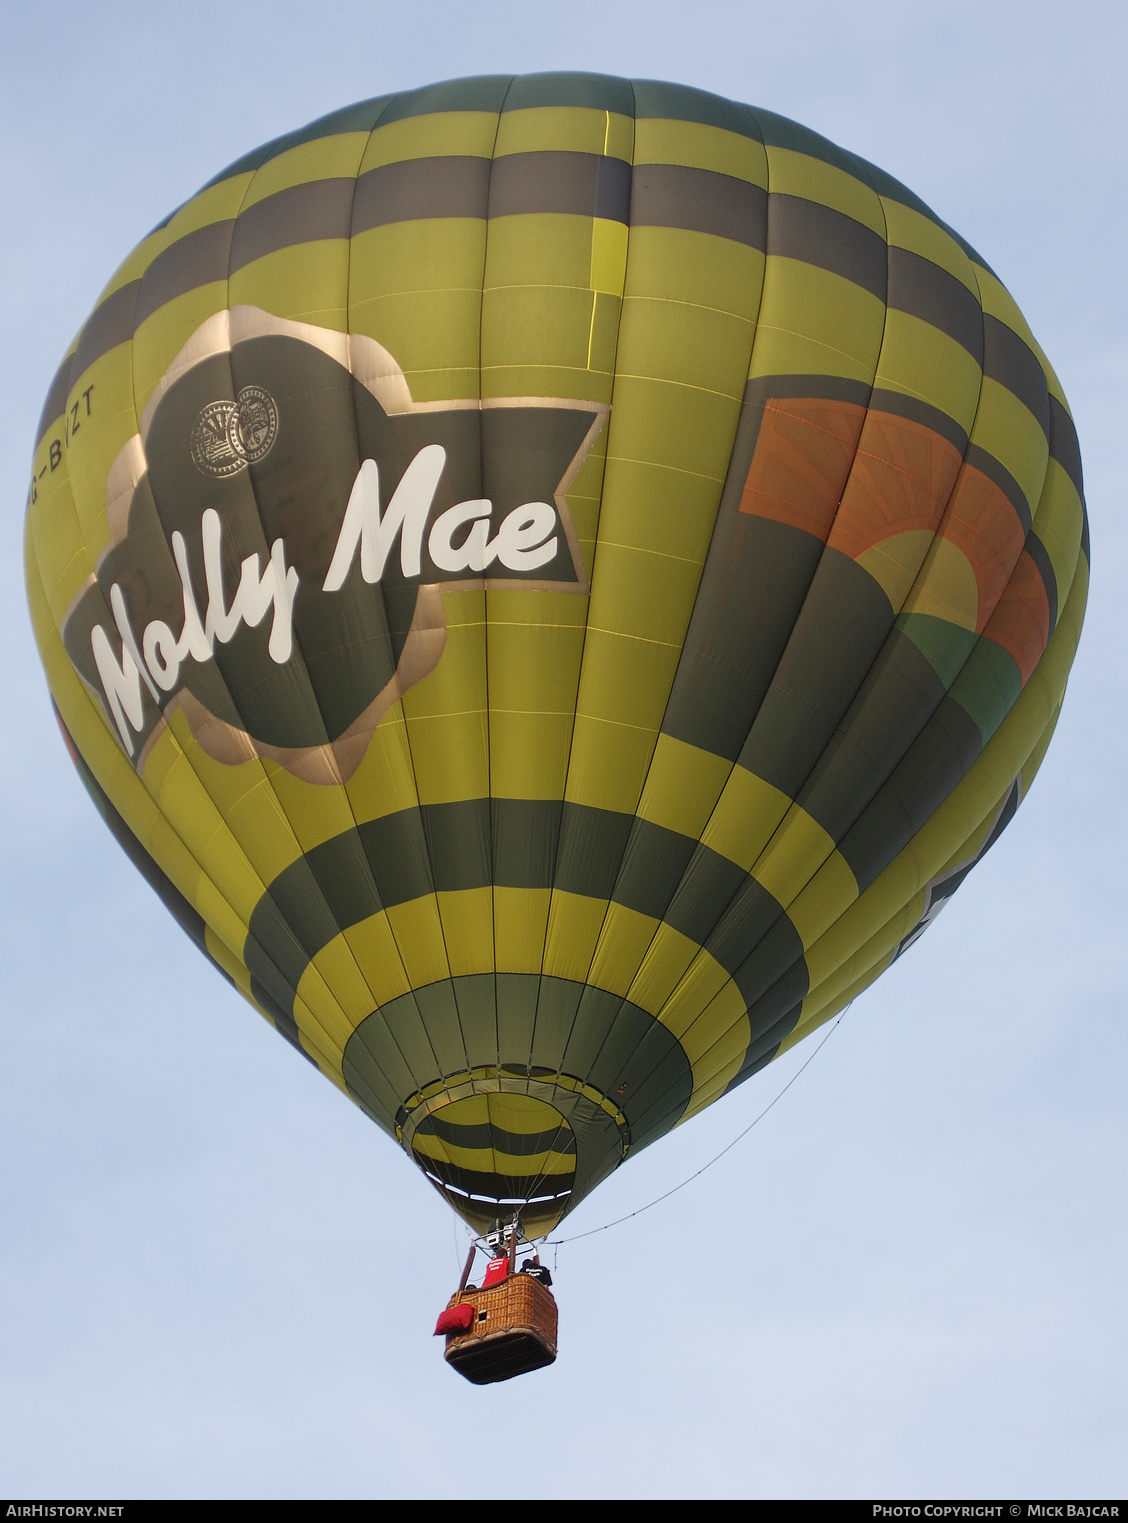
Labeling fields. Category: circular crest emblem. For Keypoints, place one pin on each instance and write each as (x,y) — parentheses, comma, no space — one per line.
(229,436)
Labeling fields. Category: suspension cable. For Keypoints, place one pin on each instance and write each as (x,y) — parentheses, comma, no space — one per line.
(560,1241)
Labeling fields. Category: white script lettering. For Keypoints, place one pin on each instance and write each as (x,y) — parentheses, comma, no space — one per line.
(164,652)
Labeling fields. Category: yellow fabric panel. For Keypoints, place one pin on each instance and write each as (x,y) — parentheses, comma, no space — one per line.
(793,173)
(946,587)
(431,136)
(449,755)
(1007,429)
(747,815)
(336,993)
(716,1044)
(1038,755)
(688,344)
(607,264)
(373,947)
(325,158)
(1058,522)
(623,940)
(608,761)
(165,332)
(831,890)
(700,147)
(894,563)
(569,129)
(233,966)
(662,968)
(706,1013)
(186,804)
(797,849)
(528,754)
(682,786)
(520,927)
(698,270)
(416,288)
(384,782)
(645,594)
(625,681)
(306,282)
(573,930)
(54,543)
(468,930)
(802,301)
(418,932)
(999,302)
(920,361)
(322,1026)
(533,672)
(536,252)
(910,229)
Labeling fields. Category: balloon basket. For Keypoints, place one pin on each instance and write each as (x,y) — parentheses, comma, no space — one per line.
(513,1332)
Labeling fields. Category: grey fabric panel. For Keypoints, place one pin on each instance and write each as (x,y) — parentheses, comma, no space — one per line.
(1064,446)
(1008,360)
(843,624)
(819,235)
(194,260)
(939,757)
(56,396)
(1037,553)
(919,287)
(579,184)
(764,1046)
(299,214)
(110,324)
(699,200)
(414,189)
(900,694)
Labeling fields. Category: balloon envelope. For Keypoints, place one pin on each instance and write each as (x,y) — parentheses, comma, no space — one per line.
(554,580)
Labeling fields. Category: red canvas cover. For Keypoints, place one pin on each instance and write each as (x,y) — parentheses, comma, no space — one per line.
(455,1319)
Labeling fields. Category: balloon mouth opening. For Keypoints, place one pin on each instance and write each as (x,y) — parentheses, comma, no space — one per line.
(498,1155)
(537,1214)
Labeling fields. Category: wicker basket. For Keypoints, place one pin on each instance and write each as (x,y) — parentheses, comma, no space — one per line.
(514,1331)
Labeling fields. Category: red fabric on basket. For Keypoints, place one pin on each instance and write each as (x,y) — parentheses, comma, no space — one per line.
(455,1319)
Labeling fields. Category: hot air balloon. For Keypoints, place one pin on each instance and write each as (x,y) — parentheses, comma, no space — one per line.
(555,581)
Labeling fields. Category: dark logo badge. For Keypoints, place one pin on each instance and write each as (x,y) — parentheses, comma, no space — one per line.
(287,608)
(229,436)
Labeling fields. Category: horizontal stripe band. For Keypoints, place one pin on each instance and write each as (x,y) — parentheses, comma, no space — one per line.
(517,843)
(654,195)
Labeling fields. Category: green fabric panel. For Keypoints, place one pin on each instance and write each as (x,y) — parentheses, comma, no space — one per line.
(987,686)
(363,117)
(944,645)
(602,92)
(485,92)
(683,103)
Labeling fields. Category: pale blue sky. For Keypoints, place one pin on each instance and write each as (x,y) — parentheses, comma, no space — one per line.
(217,1278)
